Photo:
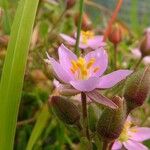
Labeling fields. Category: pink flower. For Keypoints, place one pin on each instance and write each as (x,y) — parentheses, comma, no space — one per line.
(137,55)
(131,137)
(87,40)
(85,74)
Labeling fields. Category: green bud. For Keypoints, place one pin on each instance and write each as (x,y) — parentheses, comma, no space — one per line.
(94,113)
(137,88)
(65,110)
(111,121)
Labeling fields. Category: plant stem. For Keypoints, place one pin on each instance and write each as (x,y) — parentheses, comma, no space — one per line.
(138,63)
(105,145)
(115,56)
(84,115)
(57,22)
(79,27)
(112,19)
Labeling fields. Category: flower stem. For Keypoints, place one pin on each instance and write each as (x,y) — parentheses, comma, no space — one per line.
(138,63)
(57,22)
(112,19)
(105,145)
(81,3)
(115,56)
(84,116)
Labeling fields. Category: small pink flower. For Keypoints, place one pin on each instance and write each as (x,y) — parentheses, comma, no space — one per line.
(85,74)
(131,137)
(87,40)
(137,55)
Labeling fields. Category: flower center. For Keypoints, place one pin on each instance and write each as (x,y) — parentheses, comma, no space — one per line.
(82,69)
(124,136)
(86,35)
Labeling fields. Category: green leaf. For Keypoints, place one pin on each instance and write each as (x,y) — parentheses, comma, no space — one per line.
(41,122)
(14,69)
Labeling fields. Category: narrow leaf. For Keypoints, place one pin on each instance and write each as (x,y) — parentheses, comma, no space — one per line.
(40,125)
(13,71)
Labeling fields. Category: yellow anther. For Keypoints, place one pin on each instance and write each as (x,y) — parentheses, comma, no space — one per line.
(72,70)
(74,65)
(96,69)
(91,62)
(86,35)
(82,60)
(84,72)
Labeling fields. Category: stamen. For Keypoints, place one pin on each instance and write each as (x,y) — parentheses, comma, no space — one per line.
(74,64)
(90,63)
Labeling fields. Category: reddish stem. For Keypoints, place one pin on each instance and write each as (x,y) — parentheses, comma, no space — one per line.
(113,18)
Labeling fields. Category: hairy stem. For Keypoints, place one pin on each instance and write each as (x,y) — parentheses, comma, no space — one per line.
(115,56)
(84,115)
(79,27)
(138,63)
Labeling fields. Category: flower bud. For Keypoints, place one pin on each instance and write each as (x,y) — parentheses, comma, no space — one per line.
(111,121)
(145,45)
(86,22)
(115,35)
(137,88)
(65,110)
(70,4)
(94,113)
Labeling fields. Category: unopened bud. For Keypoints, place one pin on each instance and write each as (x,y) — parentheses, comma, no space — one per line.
(86,22)
(70,3)
(94,113)
(145,45)
(137,88)
(65,110)
(115,35)
(111,121)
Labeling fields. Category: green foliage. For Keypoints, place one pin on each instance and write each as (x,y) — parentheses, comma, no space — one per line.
(13,71)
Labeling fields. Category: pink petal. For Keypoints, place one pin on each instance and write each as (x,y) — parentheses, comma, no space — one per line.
(60,72)
(96,42)
(85,85)
(133,145)
(117,145)
(140,134)
(101,60)
(97,97)
(109,80)
(136,53)
(68,39)
(146,60)
(65,57)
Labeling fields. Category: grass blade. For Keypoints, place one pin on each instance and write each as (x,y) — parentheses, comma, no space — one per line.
(13,71)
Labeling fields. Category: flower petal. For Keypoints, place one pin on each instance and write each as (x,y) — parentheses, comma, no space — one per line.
(109,80)
(97,97)
(136,53)
(85,85)
(65,57)
(140,133)
(96,42)
(68,39)
(117,145)
(146,60)
(60,72)
(101,60)
(133,145)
